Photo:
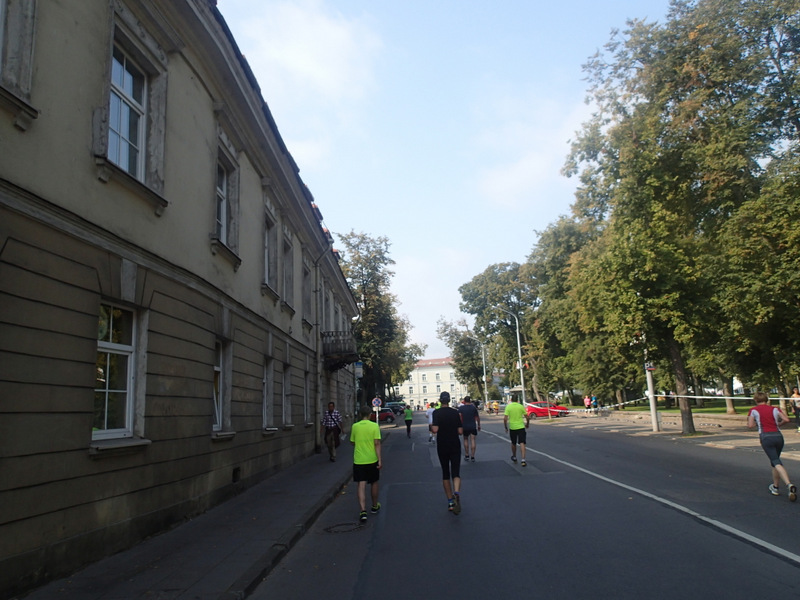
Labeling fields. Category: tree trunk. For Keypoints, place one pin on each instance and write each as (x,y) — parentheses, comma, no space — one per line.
(681,389)
(698,391)
(727,390)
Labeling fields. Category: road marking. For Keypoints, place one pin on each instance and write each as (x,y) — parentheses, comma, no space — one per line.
(785,554)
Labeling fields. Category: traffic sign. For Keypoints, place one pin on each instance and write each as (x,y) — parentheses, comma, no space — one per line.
(376,402)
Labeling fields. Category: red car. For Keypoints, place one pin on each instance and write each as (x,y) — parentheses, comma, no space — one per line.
(545,409)
(386,414)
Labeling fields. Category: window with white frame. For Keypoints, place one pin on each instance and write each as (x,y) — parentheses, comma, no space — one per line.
(410,389)
(438,377)
(270,253)
(126,115)
(219,387)
(115,373)
(306,397)
(17,28)
(288,272)
(286,395)
(308,288)
(268,393)
(438,389)
(424,377)
(424,389)
(129,132)
(223,209)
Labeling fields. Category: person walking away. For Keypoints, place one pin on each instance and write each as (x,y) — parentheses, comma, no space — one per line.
(516,421)
(587,402)
(332,429)
(471,424)
(365,435)
(409,416)
(429,415)
(796,407)
(768,419)
(447,427)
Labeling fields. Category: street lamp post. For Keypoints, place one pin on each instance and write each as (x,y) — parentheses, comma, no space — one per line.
(483,358)
(519,353)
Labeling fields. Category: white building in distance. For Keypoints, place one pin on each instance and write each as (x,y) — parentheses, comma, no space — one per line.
(430,378)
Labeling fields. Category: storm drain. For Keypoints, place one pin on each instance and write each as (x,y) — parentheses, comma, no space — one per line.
(343,528)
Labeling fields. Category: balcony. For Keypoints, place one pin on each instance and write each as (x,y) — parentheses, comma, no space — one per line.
(338,349)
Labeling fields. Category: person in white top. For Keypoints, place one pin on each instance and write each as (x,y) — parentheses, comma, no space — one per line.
(429,414)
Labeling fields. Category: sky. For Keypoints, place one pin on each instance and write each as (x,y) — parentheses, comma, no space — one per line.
(441,125)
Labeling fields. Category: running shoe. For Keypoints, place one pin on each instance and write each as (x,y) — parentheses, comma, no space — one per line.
(773,489)
(473,459)
(524,464)
(363,516)
(375,508)
(457,506)
(792,492)
(513,459)
(451,505)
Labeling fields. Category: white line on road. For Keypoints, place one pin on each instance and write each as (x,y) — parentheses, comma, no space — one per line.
(688,511)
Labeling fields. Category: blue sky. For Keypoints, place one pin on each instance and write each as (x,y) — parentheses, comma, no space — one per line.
(440,124)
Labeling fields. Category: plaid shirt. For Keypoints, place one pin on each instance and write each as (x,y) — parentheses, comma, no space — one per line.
(331,419)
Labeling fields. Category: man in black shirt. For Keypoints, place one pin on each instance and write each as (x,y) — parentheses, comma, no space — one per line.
(447,428)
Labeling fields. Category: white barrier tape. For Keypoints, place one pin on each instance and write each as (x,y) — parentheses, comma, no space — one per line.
(604,407)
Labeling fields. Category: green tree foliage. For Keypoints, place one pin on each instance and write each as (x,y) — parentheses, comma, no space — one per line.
(381,334)
(465,351)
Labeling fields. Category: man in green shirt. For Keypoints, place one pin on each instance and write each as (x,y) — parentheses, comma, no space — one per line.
(409,417)
(366,439)
(516,420)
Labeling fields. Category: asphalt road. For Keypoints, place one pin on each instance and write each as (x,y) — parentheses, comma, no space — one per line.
(595,514)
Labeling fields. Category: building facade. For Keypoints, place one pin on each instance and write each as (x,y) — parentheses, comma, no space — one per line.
(430,378)
(172,312)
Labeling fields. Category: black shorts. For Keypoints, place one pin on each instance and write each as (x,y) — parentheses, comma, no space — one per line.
(772,443)
(469,432)
(369,473)
(518,436)
(450,460)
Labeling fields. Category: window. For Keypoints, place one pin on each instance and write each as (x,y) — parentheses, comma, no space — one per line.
(308,288)
(270,253)
(126,127)
(438,389)
(307,397)
(410,390)
(424,377)
(424,389)
(17,22)
(268,393)
(223,208)
(219,388)
(114,393)
(288,272)
(438,377)
(130,129)
(286,396)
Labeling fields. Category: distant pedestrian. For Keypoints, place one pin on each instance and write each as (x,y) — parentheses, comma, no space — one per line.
(796,407)
(409,416)
(471,424)
(429,415)
(365,435)
(516,421)
(768,419)
(332,429)
(447,428)
(495,407)
(587,402)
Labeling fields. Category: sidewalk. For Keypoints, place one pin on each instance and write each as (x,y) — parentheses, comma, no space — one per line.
(222,554)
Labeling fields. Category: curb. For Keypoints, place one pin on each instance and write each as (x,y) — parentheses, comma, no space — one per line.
(261,568)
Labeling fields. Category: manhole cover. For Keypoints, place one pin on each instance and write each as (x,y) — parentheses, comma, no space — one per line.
(343,528)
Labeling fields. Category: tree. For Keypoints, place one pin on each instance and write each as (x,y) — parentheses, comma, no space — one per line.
(381,335)
(466,353)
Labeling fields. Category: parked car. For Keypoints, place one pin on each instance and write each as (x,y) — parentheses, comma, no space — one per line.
(545,409)
(397,407)
(386,414)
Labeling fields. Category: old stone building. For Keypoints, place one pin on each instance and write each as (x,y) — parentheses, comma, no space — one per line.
(172,312)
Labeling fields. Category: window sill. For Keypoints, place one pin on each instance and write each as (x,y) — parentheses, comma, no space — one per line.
(267,290)
(288,426)
(307,325)
(24,113)
(218,247)
(117,446)
(269,431)
(222,436)
(106,171)
(286,307)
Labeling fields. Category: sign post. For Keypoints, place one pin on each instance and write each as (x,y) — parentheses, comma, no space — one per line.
(651,395)
(376,406)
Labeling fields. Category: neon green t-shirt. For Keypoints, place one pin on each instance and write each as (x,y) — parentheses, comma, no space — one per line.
(516,415)
(409,414)
(363,434)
